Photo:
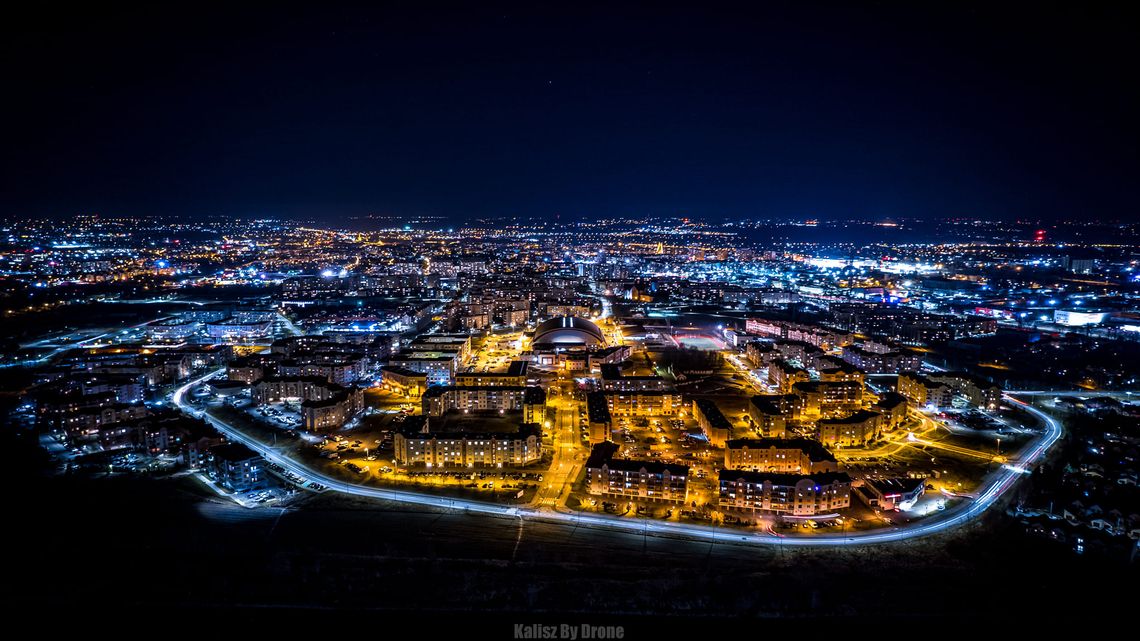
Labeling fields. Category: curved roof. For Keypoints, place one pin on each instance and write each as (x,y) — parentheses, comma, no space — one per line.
(568,330)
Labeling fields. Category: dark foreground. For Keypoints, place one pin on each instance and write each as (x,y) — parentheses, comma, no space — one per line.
(165,549)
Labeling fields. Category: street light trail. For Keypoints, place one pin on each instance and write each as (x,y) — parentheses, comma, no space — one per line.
(1000,481)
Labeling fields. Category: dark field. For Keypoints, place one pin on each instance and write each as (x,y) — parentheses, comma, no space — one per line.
(137,546)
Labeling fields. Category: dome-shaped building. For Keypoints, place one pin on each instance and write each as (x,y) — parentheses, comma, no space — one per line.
(569,331)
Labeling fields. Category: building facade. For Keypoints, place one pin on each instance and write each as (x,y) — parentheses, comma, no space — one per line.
(820,398)
(713,422)
(237,468)
(786,456)
(788,494)
(644,403)
(469,449)
(405,382)
(598,418)
(856,429)
(531,401)
(634,480)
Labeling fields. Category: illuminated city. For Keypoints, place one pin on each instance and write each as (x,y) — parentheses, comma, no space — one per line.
(561,421)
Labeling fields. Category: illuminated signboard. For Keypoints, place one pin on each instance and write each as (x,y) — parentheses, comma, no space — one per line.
(1074,318)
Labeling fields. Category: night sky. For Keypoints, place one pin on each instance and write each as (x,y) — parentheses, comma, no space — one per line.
(784,111)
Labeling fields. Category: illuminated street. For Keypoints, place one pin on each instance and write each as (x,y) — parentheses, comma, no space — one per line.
(999,482)
(579,322)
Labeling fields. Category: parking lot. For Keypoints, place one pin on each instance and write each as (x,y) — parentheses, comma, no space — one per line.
(285,415)
(266,497)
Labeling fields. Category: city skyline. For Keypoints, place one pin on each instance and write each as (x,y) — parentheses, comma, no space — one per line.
(570,321)
(517,390)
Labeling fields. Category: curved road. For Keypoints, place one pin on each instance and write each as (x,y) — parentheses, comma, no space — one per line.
(997,483)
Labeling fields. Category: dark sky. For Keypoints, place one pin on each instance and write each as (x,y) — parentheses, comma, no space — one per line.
(783,110)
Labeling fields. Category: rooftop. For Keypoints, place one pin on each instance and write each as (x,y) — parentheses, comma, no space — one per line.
(822,478)
(857,416)
(233,452)
(476,422)
(712,414)
(814,449)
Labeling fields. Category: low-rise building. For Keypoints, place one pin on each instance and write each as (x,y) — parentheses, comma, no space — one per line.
(324,405)
(893,406)
(713,422)
(769,413)
(924,392)
(413,447)
(531,401)
(403,381)
(644,402)
(786,330)
(761,353)
(598,418)
(246,370)
(439,366)
(823,398)
(634,480)
(333,412)
(893,493)
(832,369)
(883,362)
(87,421)
(940,389)
(791,494)
(793,455)
(172,330)
(784,375)
(608,356)
(614,381)
(855,429)
(237,468)
(802,352)
(236,328)
(577,358)
(515,376)
(459,344)
(976,390)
